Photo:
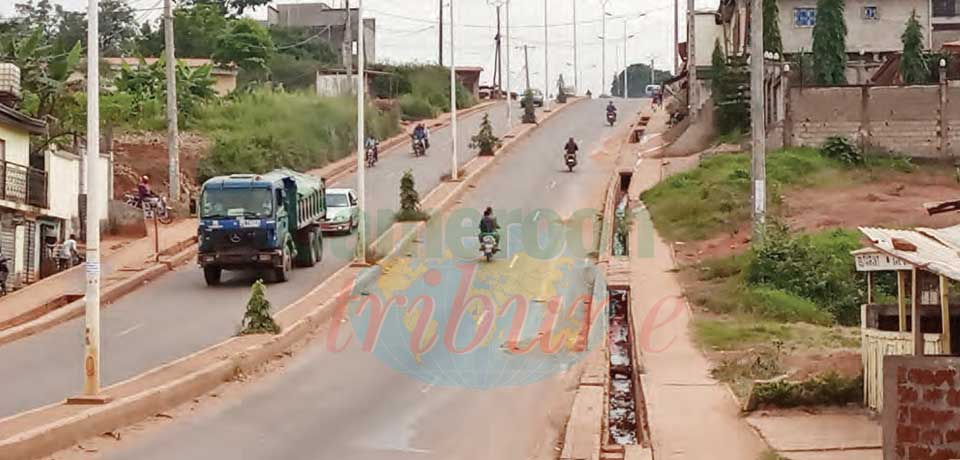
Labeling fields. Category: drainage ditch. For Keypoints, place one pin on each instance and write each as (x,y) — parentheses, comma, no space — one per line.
(621,218)
(624,427)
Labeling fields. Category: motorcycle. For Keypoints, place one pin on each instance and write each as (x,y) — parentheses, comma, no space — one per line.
(488,245)
(371,156)
(419,147)
(611,118)
(570,159)
(157,205)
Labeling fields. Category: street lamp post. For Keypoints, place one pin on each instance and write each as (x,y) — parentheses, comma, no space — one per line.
(453,98)
(576,50)
(509,73)
(546,59)
(361,138)
(603,46)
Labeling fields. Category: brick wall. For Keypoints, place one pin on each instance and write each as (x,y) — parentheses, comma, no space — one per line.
(904,119)
(921,417)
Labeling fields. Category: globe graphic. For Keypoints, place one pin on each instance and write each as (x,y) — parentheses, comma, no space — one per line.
(455,322)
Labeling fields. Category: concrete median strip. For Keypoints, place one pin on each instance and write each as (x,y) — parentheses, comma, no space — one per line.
(48,429)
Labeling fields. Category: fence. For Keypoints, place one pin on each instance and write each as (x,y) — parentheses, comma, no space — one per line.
(876,344)
(23,184)
(917,121)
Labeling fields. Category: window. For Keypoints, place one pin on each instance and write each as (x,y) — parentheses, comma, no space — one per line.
(3,150)
(804,17)
(870,13)
(944,8)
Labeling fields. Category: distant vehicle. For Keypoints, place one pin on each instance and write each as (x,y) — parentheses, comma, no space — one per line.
(260,221)
(652,90)
(343,213)
(537,97)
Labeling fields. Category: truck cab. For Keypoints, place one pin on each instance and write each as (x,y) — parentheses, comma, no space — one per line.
(249,221)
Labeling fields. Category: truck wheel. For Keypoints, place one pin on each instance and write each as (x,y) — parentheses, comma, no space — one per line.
(318,244)
(282,274)
(310,259)
(212,275)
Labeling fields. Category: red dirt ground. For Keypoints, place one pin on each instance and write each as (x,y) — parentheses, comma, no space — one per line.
(897,201)
(139,154)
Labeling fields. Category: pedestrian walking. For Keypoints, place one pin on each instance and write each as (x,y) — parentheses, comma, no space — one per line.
(68,252)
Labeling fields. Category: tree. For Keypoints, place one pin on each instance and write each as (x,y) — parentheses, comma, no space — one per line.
(302,43)
(233,8)
(772,41)
(197,32)
(485,140)
(913,69)
(257,319)
(118,27)
(246,44)
(409,200)
(830,43)
(731,111)
(529,111)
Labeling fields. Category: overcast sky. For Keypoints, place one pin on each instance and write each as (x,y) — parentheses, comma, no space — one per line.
(407,31)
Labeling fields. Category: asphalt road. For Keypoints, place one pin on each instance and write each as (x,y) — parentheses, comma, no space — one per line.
(353,405)
(178,314)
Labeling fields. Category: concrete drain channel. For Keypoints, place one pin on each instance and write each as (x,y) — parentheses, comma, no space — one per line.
(624,426)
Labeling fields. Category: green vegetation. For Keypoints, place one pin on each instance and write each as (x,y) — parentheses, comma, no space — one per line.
(830,43)
(913,69)
(424,90)
(257,318)
(771,27)
(639,79)
(409,200)
(826,390)
(529,111)
(485,140)
(260,131)
(731,112)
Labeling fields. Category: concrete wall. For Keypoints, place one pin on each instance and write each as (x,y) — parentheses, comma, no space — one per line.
(16,144)
(871,36)
(708,33)
(901,119)
(921,419)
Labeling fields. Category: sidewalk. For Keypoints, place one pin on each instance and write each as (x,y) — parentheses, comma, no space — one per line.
(691,415)
(830,434)
(127,262)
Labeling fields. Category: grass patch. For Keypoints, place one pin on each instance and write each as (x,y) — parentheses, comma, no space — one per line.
(423,90)
(829,389)
(264,130)
(742,332)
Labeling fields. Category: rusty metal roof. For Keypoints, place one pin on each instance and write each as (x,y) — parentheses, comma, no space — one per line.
(937,254)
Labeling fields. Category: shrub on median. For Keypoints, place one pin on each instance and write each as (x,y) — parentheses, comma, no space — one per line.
(257,319)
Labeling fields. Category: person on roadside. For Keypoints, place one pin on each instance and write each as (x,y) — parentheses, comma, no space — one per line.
(4,272)
(68,252)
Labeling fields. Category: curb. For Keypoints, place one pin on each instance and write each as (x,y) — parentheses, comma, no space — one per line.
(45,438)
(76,308)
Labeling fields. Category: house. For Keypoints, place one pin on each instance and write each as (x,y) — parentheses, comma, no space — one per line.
(329,24)
(225,79)
(874,28)
(945,22)
(469,77)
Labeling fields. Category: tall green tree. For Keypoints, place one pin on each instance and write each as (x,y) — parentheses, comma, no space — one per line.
(246,44)
(830,43)
(232,8)
(198,30)
(913,68)
(772,41)
(731,113)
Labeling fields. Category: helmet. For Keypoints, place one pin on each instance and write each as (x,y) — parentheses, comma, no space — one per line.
(144,178)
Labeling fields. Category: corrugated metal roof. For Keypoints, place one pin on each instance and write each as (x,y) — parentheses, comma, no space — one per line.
(930,254)
(949,236)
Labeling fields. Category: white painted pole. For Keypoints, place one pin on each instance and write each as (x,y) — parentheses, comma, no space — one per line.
(509,73)
(603,50)
(546,59)
(453,99)
(173,135)
(626,65)
(361,139)
(576,50)
(91,355)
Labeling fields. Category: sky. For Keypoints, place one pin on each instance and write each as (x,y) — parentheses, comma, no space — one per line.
(407,32)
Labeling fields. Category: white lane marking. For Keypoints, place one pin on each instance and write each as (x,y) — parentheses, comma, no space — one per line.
(552,185)
(127,331)
(426,388)
(536,215)
(515,256)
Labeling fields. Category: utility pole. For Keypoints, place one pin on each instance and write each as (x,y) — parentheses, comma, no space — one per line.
(440,35)
(173,136)
(453,100)
(693,95)
(497,67)
(526,63)
(576,49)
(348,43)
(546,59)
(509,74)
(758,129)
(653,74)
(603,49)
(676,36)
(626,64)
(91,351)
(361,143)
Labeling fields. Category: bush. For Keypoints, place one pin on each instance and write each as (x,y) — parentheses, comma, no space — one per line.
(409,200)
(257,318)
(485,140)
(264,130)
(416,108)
(779,305)
(529,111)
(816,267)
(829,389)
(841,149)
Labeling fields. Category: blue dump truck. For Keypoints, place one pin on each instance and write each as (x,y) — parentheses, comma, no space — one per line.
(266,222)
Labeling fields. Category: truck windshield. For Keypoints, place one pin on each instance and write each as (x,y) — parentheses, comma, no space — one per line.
(255,203)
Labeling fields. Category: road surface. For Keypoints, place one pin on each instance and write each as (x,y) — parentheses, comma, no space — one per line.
(178,314)
(353,405)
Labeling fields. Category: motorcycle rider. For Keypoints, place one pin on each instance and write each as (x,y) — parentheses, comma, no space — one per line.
(489,225)
(420,133)
(571,148)
(372,145)
(611,108)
